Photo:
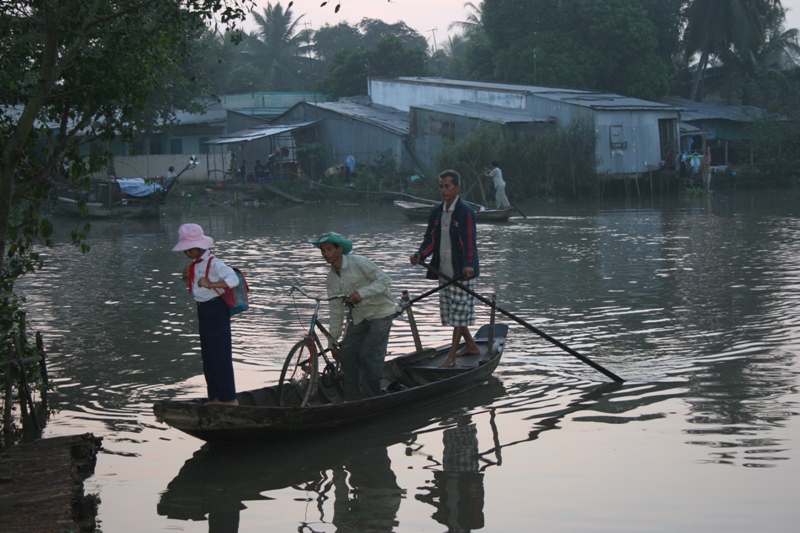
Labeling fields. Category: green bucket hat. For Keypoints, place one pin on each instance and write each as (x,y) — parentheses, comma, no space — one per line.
(333,238)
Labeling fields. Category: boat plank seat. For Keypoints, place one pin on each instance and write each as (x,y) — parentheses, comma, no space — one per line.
(329,394)
(392,372)
(265,396)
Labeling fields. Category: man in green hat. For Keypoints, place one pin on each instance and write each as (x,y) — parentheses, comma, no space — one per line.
(363,348)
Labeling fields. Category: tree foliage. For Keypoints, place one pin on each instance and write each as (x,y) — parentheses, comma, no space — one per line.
(390,58)
(347,55)
(558,164)
(714,26)
(75,71)
(278,46)
(608,46)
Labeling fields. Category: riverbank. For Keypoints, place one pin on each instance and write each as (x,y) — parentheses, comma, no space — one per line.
(41,485)
(287,192)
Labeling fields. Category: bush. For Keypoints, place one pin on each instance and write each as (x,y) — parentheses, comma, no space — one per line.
(558,164)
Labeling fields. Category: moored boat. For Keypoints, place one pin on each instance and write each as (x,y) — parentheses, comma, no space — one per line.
(421,211)
(119,197)
(409,380)
(147,207)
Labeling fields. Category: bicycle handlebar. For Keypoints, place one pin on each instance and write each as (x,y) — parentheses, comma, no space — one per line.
(317,298)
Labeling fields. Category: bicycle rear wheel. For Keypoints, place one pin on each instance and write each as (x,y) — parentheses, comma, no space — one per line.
(299,375)
(332,373)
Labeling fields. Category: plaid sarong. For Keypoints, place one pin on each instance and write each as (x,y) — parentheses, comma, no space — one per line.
(457,307)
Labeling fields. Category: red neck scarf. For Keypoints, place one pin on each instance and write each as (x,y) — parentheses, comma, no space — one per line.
(191,273)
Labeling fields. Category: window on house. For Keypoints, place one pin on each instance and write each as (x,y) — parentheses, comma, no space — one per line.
(618,142)
(448,130)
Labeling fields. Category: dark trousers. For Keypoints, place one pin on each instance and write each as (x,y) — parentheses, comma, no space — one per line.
(216,347)
(362,353)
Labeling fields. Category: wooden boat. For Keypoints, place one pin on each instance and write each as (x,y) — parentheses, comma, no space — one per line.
(409,380)
(122,208)
(119,198)
(244,474)
(421,211)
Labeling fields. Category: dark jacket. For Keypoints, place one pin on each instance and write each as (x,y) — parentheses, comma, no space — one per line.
(462,238)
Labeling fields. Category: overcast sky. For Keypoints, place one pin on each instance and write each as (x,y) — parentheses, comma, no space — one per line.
(421,15)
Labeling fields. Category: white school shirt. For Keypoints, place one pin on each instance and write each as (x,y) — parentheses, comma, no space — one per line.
(218,271)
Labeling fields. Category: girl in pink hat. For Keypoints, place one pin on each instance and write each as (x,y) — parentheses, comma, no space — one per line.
(206,277)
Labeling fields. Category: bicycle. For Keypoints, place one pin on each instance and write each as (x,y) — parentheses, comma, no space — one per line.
(300,372)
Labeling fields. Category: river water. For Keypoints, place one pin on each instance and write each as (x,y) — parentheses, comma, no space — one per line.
(695,303)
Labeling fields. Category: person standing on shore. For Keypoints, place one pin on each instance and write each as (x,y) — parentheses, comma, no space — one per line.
(499,185)
(450,238)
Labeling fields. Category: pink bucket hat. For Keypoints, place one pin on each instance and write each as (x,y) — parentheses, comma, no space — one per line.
(191,236)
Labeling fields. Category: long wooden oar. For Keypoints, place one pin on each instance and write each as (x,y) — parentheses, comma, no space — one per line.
(518,320)
(517,208)
(406,305)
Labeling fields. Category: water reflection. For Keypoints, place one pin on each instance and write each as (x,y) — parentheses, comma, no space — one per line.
(458,489)
(351,470)
(696,305)
(351,466)
(366,494)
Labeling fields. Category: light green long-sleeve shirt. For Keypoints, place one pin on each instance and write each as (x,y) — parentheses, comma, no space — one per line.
(359,274)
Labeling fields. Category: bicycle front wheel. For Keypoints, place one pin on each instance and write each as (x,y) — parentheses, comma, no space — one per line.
(299,375)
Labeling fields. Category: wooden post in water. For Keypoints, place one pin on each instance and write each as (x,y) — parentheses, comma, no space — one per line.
(43,363)
(483,194)
(491,325)
(25,397)
(9,399)
(413,324)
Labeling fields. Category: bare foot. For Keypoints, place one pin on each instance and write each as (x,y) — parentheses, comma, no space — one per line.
(468,350)
(215,401)
(450,362)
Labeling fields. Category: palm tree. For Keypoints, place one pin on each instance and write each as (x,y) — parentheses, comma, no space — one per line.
(279,47)
(714,26)
(473,24)
(742,72)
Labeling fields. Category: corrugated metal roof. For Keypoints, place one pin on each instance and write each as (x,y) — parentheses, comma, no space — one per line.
(603,101)
(488,86)
(252,134)
(388,119)
(594,100)
(691,111)
(688,129)
(500,115)
(208,116)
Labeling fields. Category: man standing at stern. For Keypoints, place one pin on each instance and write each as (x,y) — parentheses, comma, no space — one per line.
(499,186)
(450,237)
(363,348)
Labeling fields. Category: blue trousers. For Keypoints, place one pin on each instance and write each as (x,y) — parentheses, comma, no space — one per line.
(216,348)
(362,353)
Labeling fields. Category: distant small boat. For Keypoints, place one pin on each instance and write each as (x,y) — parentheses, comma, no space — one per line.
(119,197)
(114,205)
(421,211)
